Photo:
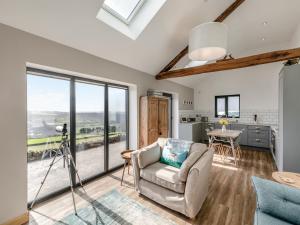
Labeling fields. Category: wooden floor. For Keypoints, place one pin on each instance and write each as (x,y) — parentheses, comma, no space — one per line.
(231,200)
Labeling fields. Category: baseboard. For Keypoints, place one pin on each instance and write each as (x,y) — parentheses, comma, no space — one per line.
(20,220)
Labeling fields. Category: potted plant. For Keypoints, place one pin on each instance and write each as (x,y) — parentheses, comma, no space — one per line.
(224,122)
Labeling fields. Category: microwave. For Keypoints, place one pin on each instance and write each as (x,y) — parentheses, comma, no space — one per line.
(184,120)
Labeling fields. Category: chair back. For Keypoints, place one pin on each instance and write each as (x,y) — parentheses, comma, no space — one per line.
(238,139)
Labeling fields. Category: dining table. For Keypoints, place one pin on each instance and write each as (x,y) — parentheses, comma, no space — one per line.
(228,136)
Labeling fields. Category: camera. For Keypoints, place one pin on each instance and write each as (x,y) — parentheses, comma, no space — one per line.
(62,129)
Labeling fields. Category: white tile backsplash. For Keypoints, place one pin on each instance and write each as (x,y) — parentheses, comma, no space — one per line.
(247,116)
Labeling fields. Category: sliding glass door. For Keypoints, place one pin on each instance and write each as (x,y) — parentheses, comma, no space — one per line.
(97,117)
(48,106)
(117,107)
(89,129)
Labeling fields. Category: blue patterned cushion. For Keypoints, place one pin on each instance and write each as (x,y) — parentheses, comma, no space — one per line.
(278,200)
(175,152)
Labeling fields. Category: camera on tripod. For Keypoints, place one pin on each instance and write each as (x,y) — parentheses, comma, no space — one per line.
(62,129)
(63,152)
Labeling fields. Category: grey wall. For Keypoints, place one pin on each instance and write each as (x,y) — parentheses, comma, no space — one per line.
(16,49)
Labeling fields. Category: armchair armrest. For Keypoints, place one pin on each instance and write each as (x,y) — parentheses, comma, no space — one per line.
(149,155)
(197,183)
(277,200)
(142,158)
(196,151)
(136,168)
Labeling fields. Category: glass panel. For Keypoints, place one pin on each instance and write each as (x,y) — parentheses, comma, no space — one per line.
(234,106)
(117,125)
(48,105)
(89,129)
(121,7)
(221,107)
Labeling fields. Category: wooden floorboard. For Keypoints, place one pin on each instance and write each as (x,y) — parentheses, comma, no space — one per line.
(230,201)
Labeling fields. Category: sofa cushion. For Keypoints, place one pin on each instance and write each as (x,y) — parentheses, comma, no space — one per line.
(265,219)
(175,152)
(149,155)
(163,175)
(278,200)
(196,151)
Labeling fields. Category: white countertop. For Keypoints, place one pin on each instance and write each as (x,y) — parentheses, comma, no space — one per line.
(272,125)
(190,123)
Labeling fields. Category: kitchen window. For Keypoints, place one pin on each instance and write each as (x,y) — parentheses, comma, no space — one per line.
(227,106)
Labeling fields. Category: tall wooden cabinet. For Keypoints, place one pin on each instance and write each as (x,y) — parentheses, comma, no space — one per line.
(154,119)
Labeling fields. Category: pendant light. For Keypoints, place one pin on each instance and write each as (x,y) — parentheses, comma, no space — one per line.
(208,41)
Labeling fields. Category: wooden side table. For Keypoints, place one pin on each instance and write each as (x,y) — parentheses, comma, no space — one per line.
(126,155)
(287,178)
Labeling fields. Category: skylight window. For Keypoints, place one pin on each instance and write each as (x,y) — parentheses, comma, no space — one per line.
(129,17)
(123,10)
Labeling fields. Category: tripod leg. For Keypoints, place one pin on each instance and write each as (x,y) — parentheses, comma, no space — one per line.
(43,181)
(76,171)
(71,184)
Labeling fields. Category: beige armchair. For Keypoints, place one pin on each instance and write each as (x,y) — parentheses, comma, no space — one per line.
(183,190)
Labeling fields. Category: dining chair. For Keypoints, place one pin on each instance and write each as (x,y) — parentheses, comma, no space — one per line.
(217,145)
(227,149)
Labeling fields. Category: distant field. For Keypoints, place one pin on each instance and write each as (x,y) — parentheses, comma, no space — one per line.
(38,145)
(42,141)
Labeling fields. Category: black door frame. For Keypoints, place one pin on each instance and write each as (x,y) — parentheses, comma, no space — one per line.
(73,80)
(170,96)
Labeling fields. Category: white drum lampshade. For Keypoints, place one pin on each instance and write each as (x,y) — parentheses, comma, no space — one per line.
(208,41)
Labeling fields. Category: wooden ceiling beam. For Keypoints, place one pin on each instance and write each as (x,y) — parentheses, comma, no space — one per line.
(229,10)
(220,18)
(229,64)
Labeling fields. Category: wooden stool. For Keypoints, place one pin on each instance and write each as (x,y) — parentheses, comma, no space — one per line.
(126,155)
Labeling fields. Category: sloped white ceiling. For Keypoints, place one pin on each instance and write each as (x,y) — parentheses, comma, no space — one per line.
(73,23)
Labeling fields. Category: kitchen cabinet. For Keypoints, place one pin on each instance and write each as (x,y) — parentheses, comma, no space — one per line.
(259,136)
(203,130)
(252,135)
(190,131)
(288,154)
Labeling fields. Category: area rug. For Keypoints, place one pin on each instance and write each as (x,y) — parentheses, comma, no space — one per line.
(115,208)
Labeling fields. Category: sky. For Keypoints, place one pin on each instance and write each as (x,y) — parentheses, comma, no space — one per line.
(50,94)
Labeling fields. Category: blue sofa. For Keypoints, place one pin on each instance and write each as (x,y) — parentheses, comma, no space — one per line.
(277,204)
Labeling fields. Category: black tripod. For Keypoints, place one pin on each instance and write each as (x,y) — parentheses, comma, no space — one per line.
(64,153)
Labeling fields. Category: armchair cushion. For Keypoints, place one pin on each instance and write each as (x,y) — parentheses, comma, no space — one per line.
(278,200)
(196,151)
(149,155)
(164,176)
(265,219)
(175,152)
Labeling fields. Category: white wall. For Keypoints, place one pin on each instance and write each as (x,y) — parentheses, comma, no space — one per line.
(295,42)
(19,48)
(258,87)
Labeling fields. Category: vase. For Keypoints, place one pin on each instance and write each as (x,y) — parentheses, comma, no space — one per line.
(223,128)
